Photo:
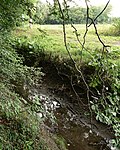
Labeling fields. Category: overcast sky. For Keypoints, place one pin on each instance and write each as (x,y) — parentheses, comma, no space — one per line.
(115,5)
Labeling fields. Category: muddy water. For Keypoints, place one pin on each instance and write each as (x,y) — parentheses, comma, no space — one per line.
(77,135)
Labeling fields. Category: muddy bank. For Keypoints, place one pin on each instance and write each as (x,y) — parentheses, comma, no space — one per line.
(59,85)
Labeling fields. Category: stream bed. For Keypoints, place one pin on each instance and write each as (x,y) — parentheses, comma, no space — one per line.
(74,128)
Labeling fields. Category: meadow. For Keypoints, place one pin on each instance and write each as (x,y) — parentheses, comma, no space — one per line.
(50,38)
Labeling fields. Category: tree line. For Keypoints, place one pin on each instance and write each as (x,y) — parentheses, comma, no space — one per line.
(47,14)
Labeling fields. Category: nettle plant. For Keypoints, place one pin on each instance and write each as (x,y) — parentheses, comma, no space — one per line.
(106,103)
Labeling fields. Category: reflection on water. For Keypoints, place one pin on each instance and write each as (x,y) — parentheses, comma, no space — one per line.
(76,134)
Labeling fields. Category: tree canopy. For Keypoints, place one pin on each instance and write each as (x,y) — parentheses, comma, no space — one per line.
(11,12)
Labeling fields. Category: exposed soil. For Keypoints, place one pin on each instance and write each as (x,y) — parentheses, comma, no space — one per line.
(73,117)
(74,121)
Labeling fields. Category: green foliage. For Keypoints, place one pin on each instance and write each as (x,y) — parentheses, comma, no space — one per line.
(105,81)
(19,124)
(106,104)
(19,127)
(114,29)
(116,23)
(29,49)
(77,15)
(104,17)
(12,68)
(42,11)
(61,142)
(12,12)
(10,63)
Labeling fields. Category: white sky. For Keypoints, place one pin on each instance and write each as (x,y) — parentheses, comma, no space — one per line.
(115,5)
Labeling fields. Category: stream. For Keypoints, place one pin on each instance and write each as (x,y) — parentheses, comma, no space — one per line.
(73,127)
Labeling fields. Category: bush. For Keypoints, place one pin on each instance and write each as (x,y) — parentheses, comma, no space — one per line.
(106,103)
(116,27)
(19,127)
(19,124)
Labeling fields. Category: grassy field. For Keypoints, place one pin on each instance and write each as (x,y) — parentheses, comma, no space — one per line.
(50,37)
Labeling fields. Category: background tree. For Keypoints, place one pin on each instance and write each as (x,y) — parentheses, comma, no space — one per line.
(77,15)
(41,13)
(49,14)
(104,17)
(11,12)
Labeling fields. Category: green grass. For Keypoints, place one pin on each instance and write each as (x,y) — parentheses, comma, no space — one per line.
(50,37)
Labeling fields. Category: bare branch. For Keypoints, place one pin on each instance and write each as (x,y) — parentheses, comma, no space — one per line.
(87,17)
(64,32)
(93,22)
(63,17)
(100,13)
(79,71)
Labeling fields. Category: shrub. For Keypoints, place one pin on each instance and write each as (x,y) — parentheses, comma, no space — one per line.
(19,124)
(106,103)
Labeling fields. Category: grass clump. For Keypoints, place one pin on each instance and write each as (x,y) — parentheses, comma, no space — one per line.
(112,30)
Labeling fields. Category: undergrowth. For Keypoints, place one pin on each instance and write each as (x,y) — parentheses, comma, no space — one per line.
(19,127)
(19,124)
(114,29)
(106,101)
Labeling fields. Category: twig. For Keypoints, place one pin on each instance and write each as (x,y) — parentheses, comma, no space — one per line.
(64,33)
(100,13)
(87,17)
(100,40)
(74,63)
(78,98)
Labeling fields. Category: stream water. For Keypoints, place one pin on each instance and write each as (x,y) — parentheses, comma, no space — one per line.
(77,134)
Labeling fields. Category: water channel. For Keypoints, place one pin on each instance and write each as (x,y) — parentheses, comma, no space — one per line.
(74,128)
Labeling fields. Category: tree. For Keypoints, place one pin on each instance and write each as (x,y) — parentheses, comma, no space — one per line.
(77,15)
(11,12)
(41,13)
(49,14)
